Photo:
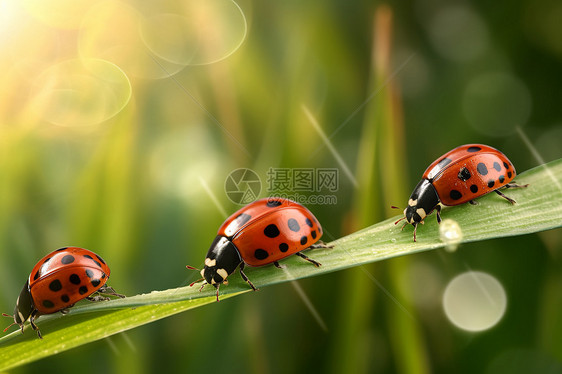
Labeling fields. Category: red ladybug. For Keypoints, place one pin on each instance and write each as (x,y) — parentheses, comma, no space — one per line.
(457,177)
(58,281)
(261,233)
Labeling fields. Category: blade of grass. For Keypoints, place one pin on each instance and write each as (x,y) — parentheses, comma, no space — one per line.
(538,208)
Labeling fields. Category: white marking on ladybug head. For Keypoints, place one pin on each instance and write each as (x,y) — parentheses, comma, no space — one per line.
(413,202)
(222,273)
(210,263)
(421,213)
(203,273)
(21,317)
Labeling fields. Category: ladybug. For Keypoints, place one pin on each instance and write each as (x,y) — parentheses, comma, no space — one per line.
(459,176)
(58,281)
(259,234)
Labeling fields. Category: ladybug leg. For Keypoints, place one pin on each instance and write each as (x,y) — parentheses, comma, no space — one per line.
(34,314)
(473,202)
(97,297)
(415,229)
(315,263)
(438,213)
(505,197)
(246,278)
(66,310)
(515,185)
(203,285)
(108,290)
(320,244)
(217,287)
(277,265)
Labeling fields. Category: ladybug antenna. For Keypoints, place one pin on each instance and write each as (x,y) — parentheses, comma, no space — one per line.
(196,281)
(395,207)
(401,220)
(13,323)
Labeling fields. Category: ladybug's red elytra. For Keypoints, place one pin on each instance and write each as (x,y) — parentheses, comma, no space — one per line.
(58,281)
(459,176)
(261,233)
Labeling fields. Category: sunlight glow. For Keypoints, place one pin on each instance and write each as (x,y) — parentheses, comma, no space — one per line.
(329,145)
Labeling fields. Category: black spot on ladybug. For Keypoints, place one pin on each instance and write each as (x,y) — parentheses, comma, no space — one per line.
(444,162)
(271,231)
(82,290)
(74,279)
(68,259)
(65,298)
(260,254)
(506,165)
(95,282)
(48,304)
(509,174)
(103,275)
(304,239)
(482,169)
(101,259)
(473,149)
(36,276)
(464,174)
(55,285)
(491,183)
(473,188)
(283,247)
(61,249)
(91,258)
(273,203)
(308,222)
(497,166)
(501,178)
(89,273)
(313,234)
(293,225)
(455,195)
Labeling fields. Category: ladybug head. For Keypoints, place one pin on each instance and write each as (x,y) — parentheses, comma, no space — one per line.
(24,308)
(221,261)
(422,201)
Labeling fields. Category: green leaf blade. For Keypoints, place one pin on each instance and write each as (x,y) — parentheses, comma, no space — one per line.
(538,208)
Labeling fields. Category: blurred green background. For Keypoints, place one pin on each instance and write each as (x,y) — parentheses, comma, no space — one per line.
(120,122)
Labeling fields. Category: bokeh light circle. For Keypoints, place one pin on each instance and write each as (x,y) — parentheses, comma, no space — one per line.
(80,92)
(199,33)
(158,39)
(64,14)
(110,31)
(474,301)
(458,33)
(496,103)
